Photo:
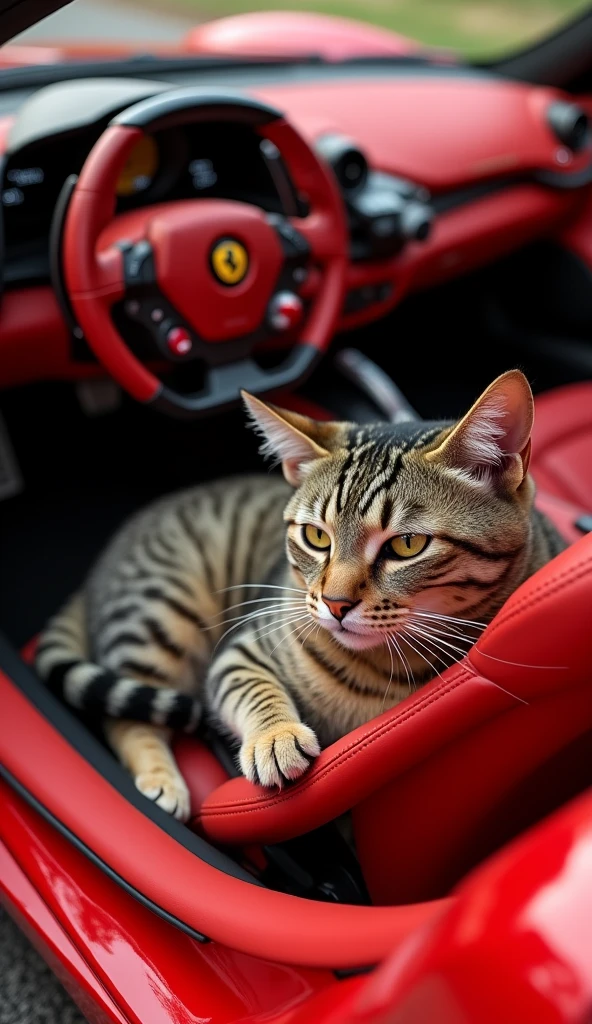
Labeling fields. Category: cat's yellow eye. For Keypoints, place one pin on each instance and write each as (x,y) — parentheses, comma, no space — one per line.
(316,538)
(408,545)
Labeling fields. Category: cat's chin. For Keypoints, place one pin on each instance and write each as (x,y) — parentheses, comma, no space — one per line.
(357,641)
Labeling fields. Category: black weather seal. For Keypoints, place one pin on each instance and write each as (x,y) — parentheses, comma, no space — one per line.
(64,830)
(83,848)
(92,750)
(2,241)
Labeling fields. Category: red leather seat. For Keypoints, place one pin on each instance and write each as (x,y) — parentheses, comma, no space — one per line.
(561,462)
(436,783)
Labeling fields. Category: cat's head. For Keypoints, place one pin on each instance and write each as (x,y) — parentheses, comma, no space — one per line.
(388,521)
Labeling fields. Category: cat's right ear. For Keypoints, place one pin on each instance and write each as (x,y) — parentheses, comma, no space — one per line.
(288,437)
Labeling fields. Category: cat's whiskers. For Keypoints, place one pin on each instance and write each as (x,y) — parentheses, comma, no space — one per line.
(254,614)
(405,662)
(405,635)
(442,645)
(299,630)
(261,586)
(288,622)
(497,685)
(422,613)
(244,619)
(302,638)
(438,630)
(464,637)
(444,629)
(255,600)
(521,664)
(389,648)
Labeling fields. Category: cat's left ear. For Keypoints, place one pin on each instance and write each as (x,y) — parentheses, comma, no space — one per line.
(492,442)
(294,440)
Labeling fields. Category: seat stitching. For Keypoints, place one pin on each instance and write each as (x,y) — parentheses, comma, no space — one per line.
(340,758)
(548,588)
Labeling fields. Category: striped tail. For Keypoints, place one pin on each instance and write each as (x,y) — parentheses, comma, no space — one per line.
(61,661)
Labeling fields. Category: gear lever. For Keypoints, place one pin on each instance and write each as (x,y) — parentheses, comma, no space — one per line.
(376,384)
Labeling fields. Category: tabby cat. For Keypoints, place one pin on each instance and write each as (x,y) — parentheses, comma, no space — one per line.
(298,609)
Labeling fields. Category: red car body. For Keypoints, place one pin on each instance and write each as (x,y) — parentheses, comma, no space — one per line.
(514,941)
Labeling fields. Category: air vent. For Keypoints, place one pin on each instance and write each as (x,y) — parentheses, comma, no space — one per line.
(570,124)
(348,162)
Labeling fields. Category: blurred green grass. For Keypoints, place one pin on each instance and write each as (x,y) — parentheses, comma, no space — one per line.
(476,28)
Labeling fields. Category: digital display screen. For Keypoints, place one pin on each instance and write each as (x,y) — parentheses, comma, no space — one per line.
(31,185)
(213,160)
(203,173)
(18,179)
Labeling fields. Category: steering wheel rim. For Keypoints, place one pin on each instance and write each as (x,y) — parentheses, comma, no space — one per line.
(96,275)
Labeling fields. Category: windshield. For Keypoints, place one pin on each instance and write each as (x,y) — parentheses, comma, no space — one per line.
(471,28)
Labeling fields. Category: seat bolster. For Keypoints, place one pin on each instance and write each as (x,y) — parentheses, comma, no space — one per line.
(562,443)
(539,643)
(541,640)
(349,770)
(563,514)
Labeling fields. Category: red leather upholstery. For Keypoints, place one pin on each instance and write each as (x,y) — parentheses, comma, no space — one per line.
(475,755)
(427,778)
(562,444)
(199,767)
(564,514)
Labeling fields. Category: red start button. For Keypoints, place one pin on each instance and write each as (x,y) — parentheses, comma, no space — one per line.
(285,311)
(179,341)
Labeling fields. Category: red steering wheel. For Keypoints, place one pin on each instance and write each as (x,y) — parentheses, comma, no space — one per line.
(209,279)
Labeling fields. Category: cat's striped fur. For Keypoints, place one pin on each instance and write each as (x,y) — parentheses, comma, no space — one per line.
(229,562)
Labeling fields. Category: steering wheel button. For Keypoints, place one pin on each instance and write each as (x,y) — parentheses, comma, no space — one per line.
(138,263)
(299,275)
(178,341)
(285,311)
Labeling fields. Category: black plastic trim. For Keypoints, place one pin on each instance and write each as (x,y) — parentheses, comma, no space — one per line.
(226,382)
(90,748)
(187,106)
(560,180)
(56,263)
(343,973)
(557,59)
(2,241)
(83,848)
(17,15)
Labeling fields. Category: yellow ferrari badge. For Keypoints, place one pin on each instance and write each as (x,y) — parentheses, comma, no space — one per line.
(230,261)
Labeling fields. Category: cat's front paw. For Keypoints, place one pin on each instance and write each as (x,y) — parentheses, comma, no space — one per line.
(167,789)
(278,754)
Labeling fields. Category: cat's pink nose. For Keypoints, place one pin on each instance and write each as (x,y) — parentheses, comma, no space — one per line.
(339,606)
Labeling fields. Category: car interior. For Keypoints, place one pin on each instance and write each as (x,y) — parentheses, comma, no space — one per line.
(415,226)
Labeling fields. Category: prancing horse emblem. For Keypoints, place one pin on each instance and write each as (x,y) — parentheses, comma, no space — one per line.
(230,261)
